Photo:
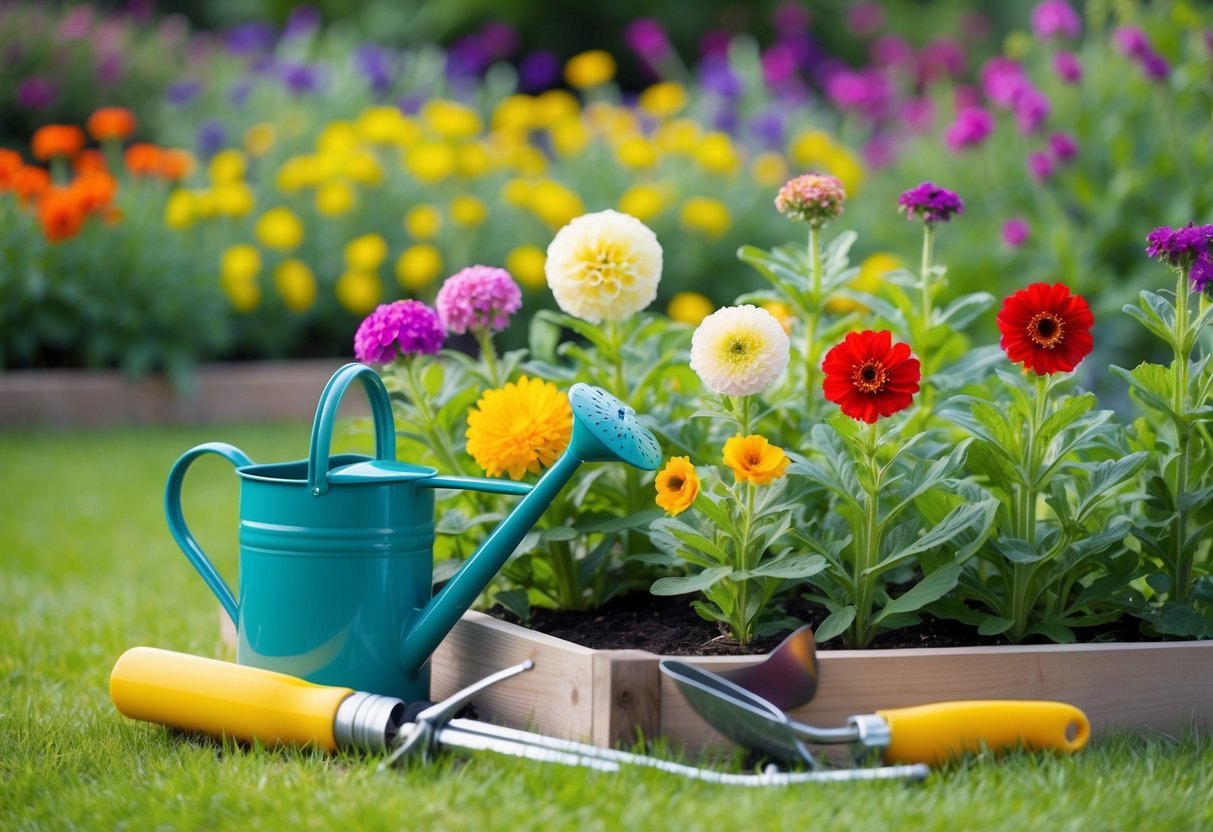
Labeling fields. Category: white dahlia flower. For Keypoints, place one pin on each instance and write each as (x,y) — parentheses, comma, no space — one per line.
(739,350)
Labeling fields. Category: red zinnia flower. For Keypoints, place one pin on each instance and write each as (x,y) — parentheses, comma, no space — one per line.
(869,376)
(1045,328)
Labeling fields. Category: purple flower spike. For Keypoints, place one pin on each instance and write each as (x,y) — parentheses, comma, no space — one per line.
(212,136)
(1031,108)
(406,327)
(36,93)
(1040,166)
(302,22)
(1068,67)
(646,37)
(250,38)
(1055,17)
(376,65)
(865,18)
(538,71)
(182,92)
(972,127)
(1064,147)
(930,203)
(1201,273)
(1015,232)
(1181,248)
(478,298)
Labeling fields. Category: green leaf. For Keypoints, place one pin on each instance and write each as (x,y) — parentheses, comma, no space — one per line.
(516,601)
(835,624)
(1017,551)
(1152,383)
(636,520)
(1055,632)
(1151,320)
(967,517)
(789,567)
(690,583)
(993,625)
(1178,619)
(1070,409)
(557,534)
(445,570)
(931,588)
(961,312)
(1106,476)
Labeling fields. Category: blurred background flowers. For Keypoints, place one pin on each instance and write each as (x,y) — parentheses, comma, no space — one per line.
(194,181)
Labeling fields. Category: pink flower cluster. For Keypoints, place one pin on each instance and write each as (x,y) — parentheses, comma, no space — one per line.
(811,197)
(478,298)
(406,327)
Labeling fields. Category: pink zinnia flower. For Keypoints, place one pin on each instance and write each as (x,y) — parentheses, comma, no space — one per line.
(972,127)
(1068,67)
(1040,166)
(1015,232)
(1056,17)
(406,327)
(478,298)
(811,197)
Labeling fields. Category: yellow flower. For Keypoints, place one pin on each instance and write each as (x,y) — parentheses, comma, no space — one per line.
(781,312)
(233,199)
(643,202)
(755,460)
(664,99)
(846,167)
(810,148)
(468,211)
(259,139)
(715,154)
(770,169)
(280,229)
(240,262)
(227,166)
(381,125)
(181,209)
(636,153)
(604,266)
(423,222)
(514,114)
(616,123)
(295,174)
(569,136)
(244,294)
(451,120)
(206,204)
(677,485)
(418,266)
(709,217)
(871,272)
(337,137)
(553,106)
(689,308)
(296,285)
(589,69)
(362,167)
(365,253)
(555,204)
(294,122)
(335,198)
(430,162)
(517,192)
(473,161)
(359,292)
(526,263)
(527,160)
(678,136)
(519,428)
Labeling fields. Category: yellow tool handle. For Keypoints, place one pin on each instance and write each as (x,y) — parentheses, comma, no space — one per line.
(933,733)
(224,699)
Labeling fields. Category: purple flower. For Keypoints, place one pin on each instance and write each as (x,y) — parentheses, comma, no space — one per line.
(538,71)
(1067,67)
(1064,146)
(1180,247)
(1015,232)
(1002,80)
(971,127)
(1055,17)
(405,327)
(869,91)
(778,64)
(918,114)
(1132,41)
(377,65)
(1040,165)
(302,21)
(36,93)
(238,93)
(1155,67)
(646,37)
(478,298)
(789,17)
(76,23)
(930,203)
(966,96)
(109,69)
(499,39)
(716,76)
(182,92)
(300,78)
(715,44)
(941,58)
(865,18)
(888,50)
(467,58)
(1031,108)
(249,38)
(767,127)
(803,48)
(1201,273)
(212,136)
(880,151)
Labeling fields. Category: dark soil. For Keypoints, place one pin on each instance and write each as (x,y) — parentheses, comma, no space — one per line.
(668,626)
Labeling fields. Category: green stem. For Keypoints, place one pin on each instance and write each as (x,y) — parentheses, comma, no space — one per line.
(439,441)
(1025,514)
(924,277)
(1182,559)
(742,625)
(813,313)
(488,354)
(868,548)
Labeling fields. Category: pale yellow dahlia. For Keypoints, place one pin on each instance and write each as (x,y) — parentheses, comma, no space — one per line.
(604,266)
(739,350)
(519,428)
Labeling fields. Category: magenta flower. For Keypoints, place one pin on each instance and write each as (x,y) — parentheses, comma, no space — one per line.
(889,50)
(942,58)
(865,18)
(405,327)
(1031,108)
(1201,273)
(930,203)
(1002,80)
(971,127)
(1015,232)
(1181,248)
(646,37)
(1064,147)
(918,114)
(1068,67)
(1134,43)
(1040,165)
(1055,17)
(478,298)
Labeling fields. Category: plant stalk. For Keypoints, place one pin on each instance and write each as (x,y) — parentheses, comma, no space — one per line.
(1182,559)
(488,354)
(868,549)
(813,313)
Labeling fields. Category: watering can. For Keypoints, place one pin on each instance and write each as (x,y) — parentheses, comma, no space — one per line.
(336,551)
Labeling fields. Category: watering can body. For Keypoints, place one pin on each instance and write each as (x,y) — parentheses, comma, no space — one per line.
(336,554)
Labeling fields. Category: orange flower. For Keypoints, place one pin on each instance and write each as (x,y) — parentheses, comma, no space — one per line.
(10,163)
(755,460)
(61,214)
(57,140)
(677,485)
(144,159)
(109,123)
(175,165)
(95,191)
(29,183)
(90,161)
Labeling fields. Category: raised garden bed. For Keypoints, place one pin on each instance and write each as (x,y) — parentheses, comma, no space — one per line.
(605,696)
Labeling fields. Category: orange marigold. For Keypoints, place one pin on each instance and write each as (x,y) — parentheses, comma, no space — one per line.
(175,165)
(144,159)
(30,182)
(109,123)
(677,485)
(57,140)
(754,459)
(61,214)
(10,163)
(95,191)
(90,161)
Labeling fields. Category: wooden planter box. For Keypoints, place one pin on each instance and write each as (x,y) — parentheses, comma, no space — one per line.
(604,696)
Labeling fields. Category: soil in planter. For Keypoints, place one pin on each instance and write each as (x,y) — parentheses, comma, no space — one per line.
(668,626)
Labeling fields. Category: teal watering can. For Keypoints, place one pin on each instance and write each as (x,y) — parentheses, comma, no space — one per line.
(336,552)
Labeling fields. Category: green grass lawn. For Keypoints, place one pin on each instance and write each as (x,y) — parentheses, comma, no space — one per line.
(87,570)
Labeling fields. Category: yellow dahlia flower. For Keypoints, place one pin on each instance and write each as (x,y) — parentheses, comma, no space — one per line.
(295,284)
(754,459)
(418,266)
(423,222)
(279,228)
(365,253)
(589,69)
(689,308)
(525,264)
(519,428)
(677,485)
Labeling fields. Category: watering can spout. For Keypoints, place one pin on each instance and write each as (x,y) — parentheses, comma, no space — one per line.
(604,430)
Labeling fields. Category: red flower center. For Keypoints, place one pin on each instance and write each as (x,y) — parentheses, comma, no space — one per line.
(870,377)
(1046,330)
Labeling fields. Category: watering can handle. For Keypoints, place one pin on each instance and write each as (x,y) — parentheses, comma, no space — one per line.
(176,520)
(326,415)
